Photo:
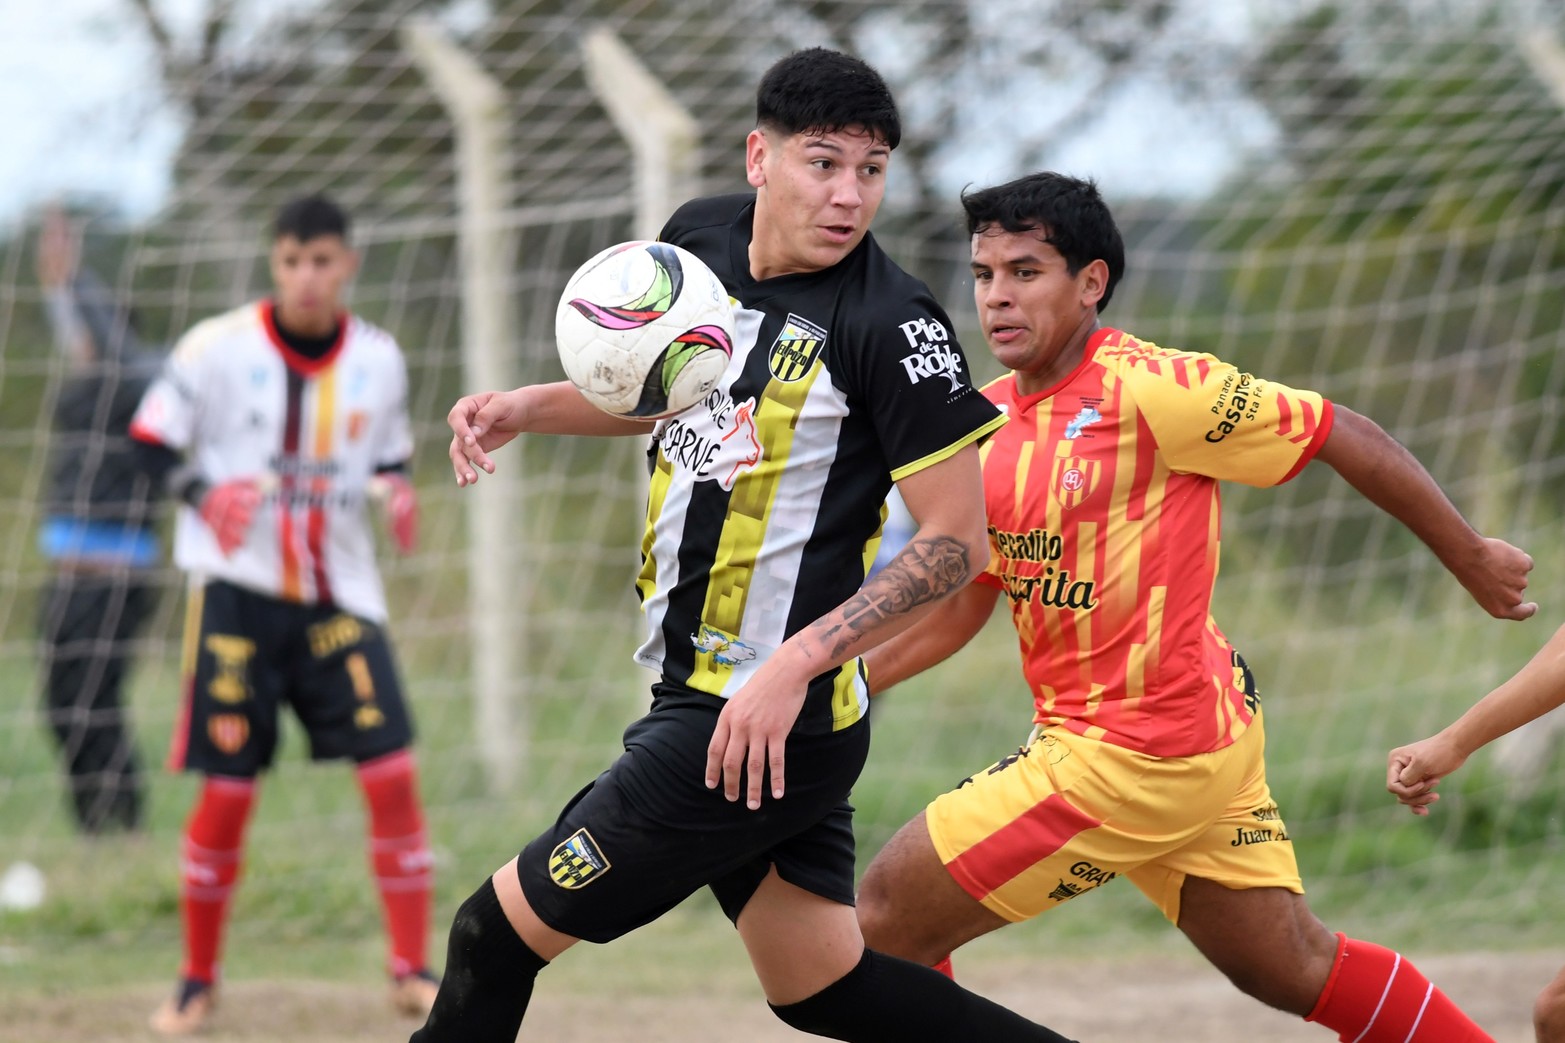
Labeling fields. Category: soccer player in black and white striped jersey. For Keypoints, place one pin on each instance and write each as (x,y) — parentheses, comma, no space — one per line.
(764,513)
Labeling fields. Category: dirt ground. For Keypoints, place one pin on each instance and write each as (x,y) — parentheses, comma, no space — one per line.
(1097,1001)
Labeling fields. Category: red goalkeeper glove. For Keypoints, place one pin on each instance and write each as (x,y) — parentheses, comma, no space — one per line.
(401,503)
(228,509)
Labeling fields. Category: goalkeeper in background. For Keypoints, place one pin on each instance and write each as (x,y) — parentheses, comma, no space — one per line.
(274,424)
(1146,760)
(97,535)
(1413,771)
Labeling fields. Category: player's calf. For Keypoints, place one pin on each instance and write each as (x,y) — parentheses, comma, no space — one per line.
(887,1000)
(1375,995)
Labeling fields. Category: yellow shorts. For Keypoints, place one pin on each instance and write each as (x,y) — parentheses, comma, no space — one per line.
(1068,814)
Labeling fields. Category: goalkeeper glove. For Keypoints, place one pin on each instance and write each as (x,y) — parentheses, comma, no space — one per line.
(228,509)
(396,493)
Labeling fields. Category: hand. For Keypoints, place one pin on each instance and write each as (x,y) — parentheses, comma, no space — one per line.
(750,736)
(396,494)
(1497,580)
(1413,771)
(56,249)
(228,509)
(479,425)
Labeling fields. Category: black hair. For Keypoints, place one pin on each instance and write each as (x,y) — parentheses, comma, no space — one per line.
(822,91)
(310,217)
(1075,219)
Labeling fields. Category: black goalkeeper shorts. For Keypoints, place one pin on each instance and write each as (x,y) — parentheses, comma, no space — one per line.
(247,654)
(647,833)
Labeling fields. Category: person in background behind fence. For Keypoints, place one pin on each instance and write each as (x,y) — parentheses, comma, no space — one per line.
(275,424)
(97,536)
(1413,771)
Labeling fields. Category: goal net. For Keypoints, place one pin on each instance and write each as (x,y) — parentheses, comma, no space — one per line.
(1365,199)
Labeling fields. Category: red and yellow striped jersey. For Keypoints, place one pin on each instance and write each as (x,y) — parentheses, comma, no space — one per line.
(1104,525)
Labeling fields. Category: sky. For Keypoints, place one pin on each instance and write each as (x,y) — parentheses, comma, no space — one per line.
(79,101)
(86,120)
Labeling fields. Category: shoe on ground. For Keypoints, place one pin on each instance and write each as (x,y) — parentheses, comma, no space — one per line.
(186,1012)
(414,994)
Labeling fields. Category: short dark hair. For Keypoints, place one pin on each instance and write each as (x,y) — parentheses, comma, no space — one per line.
(310,217)
(1075,219)
(824,91)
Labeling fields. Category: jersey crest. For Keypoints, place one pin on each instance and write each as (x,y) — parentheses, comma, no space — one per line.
(795,350)
(1074,478)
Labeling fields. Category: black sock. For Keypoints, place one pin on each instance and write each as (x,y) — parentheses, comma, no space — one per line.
(488,980)
(887,1000)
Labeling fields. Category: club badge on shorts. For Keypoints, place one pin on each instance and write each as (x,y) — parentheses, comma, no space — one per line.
(577,861)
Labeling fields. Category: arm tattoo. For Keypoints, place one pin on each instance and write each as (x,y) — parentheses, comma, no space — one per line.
(927,569)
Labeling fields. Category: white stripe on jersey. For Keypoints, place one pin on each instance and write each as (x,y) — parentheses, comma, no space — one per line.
(791,518)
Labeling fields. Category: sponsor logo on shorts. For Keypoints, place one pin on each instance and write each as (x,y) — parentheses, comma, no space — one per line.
(1065,891)
(1088,877)
(368,715)
(577,861)
(1091,874)
(1265,835)
(228,731)
(230,684)
(334,634)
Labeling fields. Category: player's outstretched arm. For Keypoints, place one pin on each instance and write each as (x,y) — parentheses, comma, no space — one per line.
(1374,463)
(1413,771)
(949,549)
(938,632)
(484,422)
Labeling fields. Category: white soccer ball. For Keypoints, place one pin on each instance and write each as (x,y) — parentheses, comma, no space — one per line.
(644,330)
(22,886)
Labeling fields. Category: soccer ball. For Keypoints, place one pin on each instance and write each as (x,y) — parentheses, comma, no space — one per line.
(644,330)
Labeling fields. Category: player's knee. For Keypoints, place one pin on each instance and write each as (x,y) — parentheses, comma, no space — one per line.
(483,943)
(1548,1012)
(829,1010)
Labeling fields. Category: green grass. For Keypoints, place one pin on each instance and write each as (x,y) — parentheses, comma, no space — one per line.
(1477,873)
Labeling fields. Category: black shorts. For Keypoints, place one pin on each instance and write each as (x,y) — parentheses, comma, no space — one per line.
(246,654)
(647,833)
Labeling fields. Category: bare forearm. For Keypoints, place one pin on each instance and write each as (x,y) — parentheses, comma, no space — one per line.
(1391,478)
(930,568)
(559,409)
(1493,571)
(1532,692)
(938,631)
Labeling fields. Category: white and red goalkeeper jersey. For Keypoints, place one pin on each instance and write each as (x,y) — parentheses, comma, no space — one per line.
(241,404)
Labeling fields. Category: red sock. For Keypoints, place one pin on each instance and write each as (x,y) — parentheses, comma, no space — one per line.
(400,856)
(211,856)
(1375,995)
(944,967)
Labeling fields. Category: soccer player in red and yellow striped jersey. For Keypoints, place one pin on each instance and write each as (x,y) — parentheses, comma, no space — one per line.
(1104,517)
